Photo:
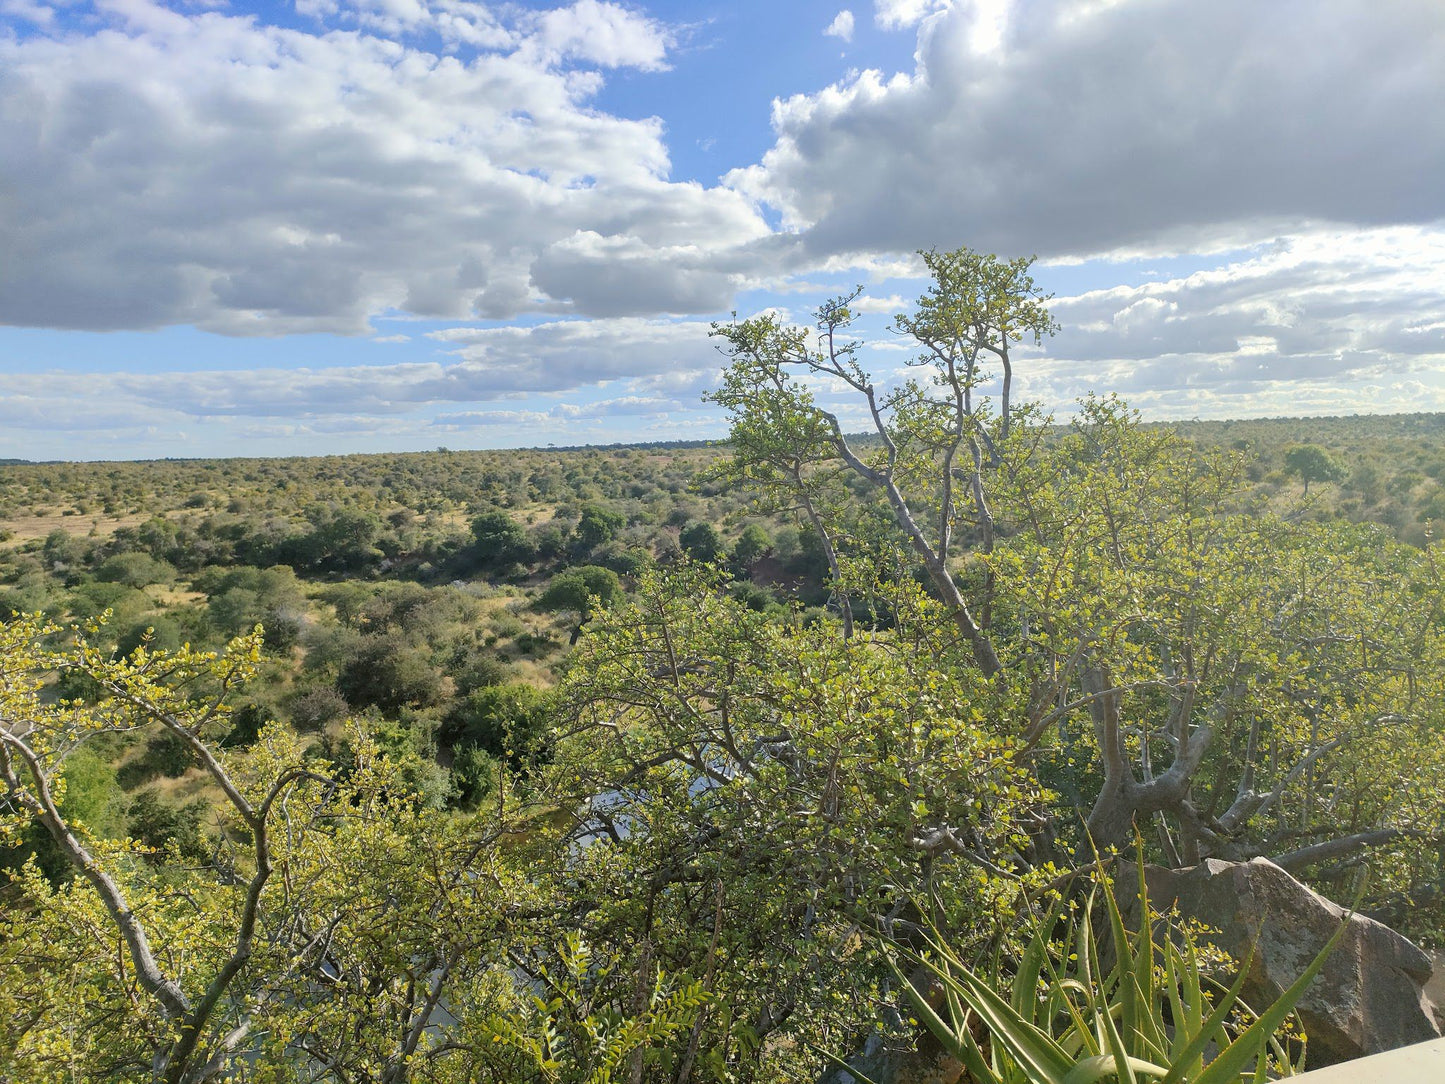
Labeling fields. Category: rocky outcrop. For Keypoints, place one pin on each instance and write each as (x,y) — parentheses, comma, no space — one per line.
(1370,996)
(927,1065)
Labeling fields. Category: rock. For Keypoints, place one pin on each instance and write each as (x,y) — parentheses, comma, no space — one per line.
(927,1065)
(1370,996)
(923,1062)
(1435,988)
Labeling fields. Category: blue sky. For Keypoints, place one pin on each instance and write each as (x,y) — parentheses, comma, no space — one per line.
(363,225)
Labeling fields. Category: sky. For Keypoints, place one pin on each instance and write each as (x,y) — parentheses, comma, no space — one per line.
(232,228)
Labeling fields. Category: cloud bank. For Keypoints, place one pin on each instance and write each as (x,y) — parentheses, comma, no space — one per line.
(449,163)
(249,179)
(1081,127)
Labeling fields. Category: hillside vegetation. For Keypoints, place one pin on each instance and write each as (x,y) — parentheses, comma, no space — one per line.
(661,763)
(380,596)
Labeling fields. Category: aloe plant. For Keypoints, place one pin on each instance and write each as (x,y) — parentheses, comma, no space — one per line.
(1060,1017)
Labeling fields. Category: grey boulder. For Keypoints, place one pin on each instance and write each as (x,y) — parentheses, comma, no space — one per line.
(1370,996)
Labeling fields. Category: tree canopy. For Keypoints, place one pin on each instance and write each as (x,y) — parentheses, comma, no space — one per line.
(701,854)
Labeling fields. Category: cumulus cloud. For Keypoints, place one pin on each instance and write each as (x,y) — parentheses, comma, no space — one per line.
(623,406)
(1078,127)
(484,364)
(565,354)
(449,160)
(1328,317)
(605,34)
(257,180)
(897,14)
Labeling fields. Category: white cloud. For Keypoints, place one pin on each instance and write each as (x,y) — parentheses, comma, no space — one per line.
(1324,318)
(561,355)
(449,160)
(471,419)
(487,364)
(606,34)
(560,415)
(887,306)
(649,406)
(1070,128)
(29,10)
(257,180)
(897,14)
(841,26)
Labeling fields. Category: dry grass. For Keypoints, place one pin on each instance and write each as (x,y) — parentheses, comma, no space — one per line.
(34,528)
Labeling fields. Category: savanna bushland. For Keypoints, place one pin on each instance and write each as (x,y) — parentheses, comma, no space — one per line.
(632,763)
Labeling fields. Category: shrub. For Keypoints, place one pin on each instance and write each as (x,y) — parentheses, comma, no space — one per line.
(1153,1012)
(156,823)
(314,708)
(596,526)
(135,570)
(498,540)
(701,541)
(387,673)
(576,589)
(506,721)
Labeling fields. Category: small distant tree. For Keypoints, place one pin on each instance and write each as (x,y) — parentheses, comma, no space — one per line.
(752,545)
(135,570)
(1311,463)
(505,721)
(597,525)
(499,541)
(701,541)
(582,589)
(388,673)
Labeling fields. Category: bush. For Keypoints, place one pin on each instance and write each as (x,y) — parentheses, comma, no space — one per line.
(387,673)
(548,541)
(498,541)
(701,542)
(577,588)
(596,526)
(505,721)
(156,823)
(758,599)
(474,776)
(753,544)
(622,559)
(314,708)
(135,570)
(472,668)
(158,633)
(126,604)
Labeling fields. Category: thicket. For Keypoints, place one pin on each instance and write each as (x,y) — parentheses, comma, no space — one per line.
(816,680)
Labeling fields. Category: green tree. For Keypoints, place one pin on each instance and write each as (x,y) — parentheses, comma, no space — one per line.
(736,781)
(1311,463)
(1146,647)
(782,444)
(506,721)
(752,545)
(582,590)
(135,570)
(701,541)
(390,673)
(337,915)
(597,525)
(498,541)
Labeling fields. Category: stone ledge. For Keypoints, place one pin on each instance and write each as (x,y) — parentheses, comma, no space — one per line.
(1423,1063)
